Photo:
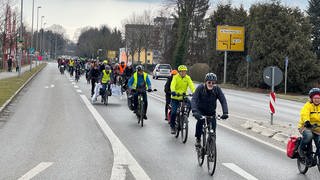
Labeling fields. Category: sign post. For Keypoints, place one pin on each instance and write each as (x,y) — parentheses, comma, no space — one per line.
(286,74)
(272,76)
(229,38)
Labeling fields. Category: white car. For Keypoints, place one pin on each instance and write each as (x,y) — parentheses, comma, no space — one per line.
(162,71)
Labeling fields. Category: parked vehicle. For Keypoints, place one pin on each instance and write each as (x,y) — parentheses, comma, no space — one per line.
(162,71)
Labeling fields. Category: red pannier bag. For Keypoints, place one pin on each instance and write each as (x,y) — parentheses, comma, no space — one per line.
(292,147)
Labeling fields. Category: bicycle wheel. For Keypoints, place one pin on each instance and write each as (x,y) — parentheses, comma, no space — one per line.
(177,125)
(201,150)
(105,99)
(211,155)
(302,165)
(184,128)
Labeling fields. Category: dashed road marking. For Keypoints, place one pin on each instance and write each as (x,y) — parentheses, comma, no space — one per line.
(76,87)
(122,156)
(52,86)
(79,91)
(36,170)
(239,171)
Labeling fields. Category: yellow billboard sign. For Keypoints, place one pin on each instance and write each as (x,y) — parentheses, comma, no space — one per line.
(111,54)
(230,38)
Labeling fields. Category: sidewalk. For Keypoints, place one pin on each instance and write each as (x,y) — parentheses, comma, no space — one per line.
(6,74)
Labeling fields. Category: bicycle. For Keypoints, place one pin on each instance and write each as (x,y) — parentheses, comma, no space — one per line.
(302,163)
(140,108)
(208,145)
(182,122)
(105,94)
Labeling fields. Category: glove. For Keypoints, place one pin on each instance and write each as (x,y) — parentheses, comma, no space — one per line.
(224,116)
(149,90)
(197,115)
(307,124)
(173,93)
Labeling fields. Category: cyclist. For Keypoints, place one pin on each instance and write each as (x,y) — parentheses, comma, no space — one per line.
(128,72)
(309,116)
(94,76)
(139,83)
(204,101)
(179,85)
(122,67)
(105,78)
(168,92)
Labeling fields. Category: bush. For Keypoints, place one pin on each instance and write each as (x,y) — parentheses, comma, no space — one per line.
(198,71)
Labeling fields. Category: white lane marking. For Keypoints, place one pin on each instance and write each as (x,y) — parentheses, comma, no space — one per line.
(52,86)
(239,171)
(73,83)
(36,170)
(79,91)
(121,154)
(76,87)
(239,132)
(46,87)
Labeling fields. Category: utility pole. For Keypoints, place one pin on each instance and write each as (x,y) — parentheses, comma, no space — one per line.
(21,38)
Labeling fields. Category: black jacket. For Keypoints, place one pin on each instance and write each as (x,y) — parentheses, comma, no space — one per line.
(205,101)
(167,85)
(94,74)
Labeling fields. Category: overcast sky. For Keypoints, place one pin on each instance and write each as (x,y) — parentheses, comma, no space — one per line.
(76,14)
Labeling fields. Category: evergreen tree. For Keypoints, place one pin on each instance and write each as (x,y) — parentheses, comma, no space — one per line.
(314,15)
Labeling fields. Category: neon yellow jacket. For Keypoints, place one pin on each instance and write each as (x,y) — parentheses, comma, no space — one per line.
(180,85)
(105,77)
(310,112)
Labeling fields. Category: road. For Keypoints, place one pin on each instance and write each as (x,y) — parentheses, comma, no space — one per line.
(52,131)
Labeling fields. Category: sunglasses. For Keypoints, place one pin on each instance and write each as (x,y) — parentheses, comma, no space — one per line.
(210,82)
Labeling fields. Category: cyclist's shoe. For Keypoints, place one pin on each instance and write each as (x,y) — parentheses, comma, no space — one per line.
(135,111)
(166,119)
(173,130)
(145,117)
(198,143)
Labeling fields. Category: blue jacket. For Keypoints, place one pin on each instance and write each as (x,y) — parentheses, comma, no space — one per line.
(140,83)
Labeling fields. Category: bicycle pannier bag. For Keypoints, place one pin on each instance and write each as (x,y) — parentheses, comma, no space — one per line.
(292,147)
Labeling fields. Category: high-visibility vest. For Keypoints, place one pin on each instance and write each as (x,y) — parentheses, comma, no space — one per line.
(105,77)
(122,68)
(135,80)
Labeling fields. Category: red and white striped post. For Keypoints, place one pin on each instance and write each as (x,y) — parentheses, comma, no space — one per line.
(272,105)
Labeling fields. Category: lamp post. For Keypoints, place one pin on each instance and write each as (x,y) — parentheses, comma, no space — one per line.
(31,35)
(40,41)
(37,30)
(21,38)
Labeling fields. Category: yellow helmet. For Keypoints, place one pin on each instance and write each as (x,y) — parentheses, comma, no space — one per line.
(105,62)
(182,68)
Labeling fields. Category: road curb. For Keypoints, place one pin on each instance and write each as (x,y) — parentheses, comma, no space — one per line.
(18,91)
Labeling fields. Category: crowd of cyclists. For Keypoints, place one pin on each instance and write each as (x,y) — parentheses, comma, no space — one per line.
(203,102)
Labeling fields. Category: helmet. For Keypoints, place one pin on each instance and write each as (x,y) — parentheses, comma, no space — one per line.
(182,68)
(210,77)
(139,68)
(122,62)
(174,72)
(105,62)
(107,67)
(313,92)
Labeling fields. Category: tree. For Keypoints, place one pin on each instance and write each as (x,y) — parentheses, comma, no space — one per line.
(314,15)
(274,32)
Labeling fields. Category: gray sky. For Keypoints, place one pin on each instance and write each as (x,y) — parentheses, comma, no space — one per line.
(76,14)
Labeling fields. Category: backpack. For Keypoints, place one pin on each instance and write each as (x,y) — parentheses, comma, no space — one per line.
(292,147)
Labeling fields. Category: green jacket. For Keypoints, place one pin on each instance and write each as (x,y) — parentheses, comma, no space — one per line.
(180,85)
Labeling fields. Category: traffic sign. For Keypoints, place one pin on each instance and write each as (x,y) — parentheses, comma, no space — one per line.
(267,75)
(230,38)
(272,102)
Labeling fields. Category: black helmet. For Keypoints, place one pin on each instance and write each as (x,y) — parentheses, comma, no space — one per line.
(139,68)
(210,77)
(314,91)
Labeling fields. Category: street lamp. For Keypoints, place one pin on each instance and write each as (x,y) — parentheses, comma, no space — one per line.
(21,38)
(41,29)
(31,35)
(37,30)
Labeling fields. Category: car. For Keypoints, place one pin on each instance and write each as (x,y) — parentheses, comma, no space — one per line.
(162,71)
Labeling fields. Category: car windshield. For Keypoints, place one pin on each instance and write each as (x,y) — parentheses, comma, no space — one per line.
(165,66)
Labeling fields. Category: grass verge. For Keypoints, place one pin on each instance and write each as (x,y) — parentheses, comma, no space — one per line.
(9,86)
